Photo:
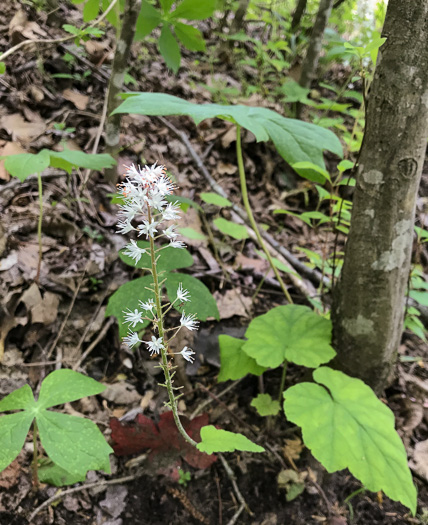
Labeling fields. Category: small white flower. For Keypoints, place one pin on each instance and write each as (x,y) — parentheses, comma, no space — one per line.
(148,306)
(189,321)
(182,295)
(132,171)
(170,232)
(124,227)
(187,354)
(155,345)
(177,244)
(129,211)
(133,251)
(133,317)
(148,229)
(132,339)
(156,201)
(171,212)
(164,185)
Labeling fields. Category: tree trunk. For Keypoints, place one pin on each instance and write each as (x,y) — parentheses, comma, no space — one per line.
(238,19)
(115,85)
(368,305)
(310,63)
(298,13)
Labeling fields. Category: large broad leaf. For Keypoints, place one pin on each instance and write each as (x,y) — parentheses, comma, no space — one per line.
(201,303)
(346,426)
(296,141)
(25,164)
(237,231)
(147,20)
(65,386)
(75,444)
(127,297)
(217,440)
(235,363)
(194,9)
(189,36)
(68,159)
(293,333)
(169,48)
(168,258)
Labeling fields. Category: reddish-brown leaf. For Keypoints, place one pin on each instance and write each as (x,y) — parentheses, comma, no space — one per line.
(163,438)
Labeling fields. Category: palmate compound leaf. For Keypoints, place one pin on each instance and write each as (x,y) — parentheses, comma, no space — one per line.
(293,333)
(235,363)
(346,426)
(295,140)
(217,440)
(75,444)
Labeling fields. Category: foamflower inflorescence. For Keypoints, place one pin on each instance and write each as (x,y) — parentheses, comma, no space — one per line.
(146,207)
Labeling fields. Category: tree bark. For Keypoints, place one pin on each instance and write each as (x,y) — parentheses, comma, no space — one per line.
(368,303)
(310,63)
(298,13)
(115,85)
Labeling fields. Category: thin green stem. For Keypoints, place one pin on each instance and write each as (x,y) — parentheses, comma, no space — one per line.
(35,458)
(249,211)
(282,384)
(39,226)
(164,352)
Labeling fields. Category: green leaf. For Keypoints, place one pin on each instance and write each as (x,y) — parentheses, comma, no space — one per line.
(68,158)
(217,200)
(147,20)
(346,426)
(113,15)
(72,29)
(53,474)
(91,10)
(237,231)
(74,443)
(169,48)
(265,405)
(169,258)
(166,5)
(191,233)
(216,440)
(345,165)
(2,68)
(294,92)
(18,399)
(194,9)
(295,140)
(189,36)
(312,172)
(13,431)
(234,362)
(293,333)
(25,164)
(128,297)
(201,303)
(64,386)
(419,297)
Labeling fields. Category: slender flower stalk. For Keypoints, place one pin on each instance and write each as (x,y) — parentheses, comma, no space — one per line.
(145,191)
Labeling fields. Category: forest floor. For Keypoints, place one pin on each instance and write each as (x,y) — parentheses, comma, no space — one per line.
(62,320)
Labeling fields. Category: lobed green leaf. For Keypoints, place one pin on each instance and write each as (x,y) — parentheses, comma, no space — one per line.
(216,440)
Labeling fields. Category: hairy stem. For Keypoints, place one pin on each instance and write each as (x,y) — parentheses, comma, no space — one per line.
(39,226)
(35,458)
(249,211)
(164,352)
